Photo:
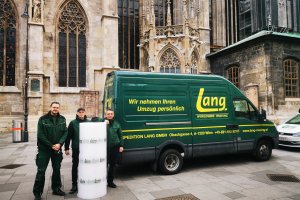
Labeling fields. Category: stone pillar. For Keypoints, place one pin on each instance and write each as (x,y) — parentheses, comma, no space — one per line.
(204,35)
(177,12)
(36,47)
(218,24)
(251,92)
(109,27)
(152,42)
(35,56)
(282,13)
(100,76)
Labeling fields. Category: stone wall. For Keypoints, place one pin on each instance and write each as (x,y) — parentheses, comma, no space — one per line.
(261,64)
(251,61)
(102,50)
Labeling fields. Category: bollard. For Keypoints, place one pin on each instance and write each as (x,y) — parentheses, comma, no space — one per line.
(17,128)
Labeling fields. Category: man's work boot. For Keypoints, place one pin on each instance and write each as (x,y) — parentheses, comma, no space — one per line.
(37,196)
(112,185)
(73,189)
(59,192)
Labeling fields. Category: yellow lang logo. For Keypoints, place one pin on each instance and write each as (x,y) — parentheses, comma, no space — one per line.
(216,104)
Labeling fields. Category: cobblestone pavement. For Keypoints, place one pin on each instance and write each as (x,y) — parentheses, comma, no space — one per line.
(211,178)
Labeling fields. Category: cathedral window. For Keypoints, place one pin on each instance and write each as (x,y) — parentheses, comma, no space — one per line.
(72,46)
(7,43)
(291,77)
(233,75)
(245,21)
(169,62)
(128,34)
(160,11)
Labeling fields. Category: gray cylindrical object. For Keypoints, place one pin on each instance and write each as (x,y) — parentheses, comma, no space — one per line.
(17,131)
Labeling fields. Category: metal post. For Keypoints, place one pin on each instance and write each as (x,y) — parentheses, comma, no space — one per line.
(25,139)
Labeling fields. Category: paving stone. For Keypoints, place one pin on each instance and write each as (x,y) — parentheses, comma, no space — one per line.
(166,193)
(156,178)
(121,192)
(204,192)
(170,182)
(9,187)
(267,192)
(18,175)
(234,195)
(21,179)
(295,197)
(23,197)
(6,195)
(25,188)
(4,179)
(144,196)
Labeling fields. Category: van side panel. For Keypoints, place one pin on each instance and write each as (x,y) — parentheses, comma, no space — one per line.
(211,119)
(153,112)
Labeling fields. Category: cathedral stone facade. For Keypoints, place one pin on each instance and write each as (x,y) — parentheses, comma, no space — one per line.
(178,41)
(61,50)
(71,45)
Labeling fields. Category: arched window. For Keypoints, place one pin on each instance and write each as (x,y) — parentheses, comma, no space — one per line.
(7,43)
(169,62)
(233,75)
(72,46)
(291,77)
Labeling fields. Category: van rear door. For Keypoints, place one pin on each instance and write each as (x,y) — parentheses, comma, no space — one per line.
(211,111)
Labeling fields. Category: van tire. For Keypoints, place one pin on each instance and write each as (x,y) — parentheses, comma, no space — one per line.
(170,162)
(263,150)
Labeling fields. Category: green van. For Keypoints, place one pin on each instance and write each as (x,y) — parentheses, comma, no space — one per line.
(168,117)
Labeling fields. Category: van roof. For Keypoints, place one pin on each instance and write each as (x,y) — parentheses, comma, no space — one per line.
(210,77)
(166,75)
(193,77)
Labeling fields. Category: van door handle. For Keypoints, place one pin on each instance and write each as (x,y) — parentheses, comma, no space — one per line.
(232,126)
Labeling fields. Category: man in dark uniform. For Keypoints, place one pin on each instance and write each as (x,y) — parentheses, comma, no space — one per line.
(73,134)
(114,145)
(51,135)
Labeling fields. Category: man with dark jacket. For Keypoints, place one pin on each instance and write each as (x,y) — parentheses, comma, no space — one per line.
(114,145)
(51,135)
(73,134)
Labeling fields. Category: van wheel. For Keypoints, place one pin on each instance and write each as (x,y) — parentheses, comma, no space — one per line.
(263,150)
(170,162)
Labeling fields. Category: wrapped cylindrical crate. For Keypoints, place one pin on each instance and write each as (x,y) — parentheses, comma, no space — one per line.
(92,160)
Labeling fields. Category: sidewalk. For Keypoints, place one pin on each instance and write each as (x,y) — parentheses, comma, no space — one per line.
(213,178)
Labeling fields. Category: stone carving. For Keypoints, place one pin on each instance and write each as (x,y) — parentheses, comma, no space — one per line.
(90,101)
(35,85)
(194,62)
(281,3)
(36,10)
